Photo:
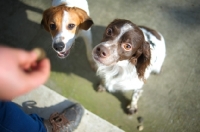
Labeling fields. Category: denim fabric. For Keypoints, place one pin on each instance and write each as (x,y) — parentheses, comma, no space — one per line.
(13,119)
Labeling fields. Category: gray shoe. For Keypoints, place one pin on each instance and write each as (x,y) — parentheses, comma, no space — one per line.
(66,121)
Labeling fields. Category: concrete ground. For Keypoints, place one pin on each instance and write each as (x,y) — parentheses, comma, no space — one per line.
(44,101)
(170,102)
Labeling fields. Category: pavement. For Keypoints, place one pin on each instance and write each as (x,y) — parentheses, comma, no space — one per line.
(44,101)
(170,101)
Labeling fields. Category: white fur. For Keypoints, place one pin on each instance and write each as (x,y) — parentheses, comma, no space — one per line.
(123,76)
(124,29)
(64,35)
(83,4)
(113,43)
(68,38)
(158,52)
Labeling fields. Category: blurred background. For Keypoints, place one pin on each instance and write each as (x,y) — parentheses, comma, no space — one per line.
(170,101)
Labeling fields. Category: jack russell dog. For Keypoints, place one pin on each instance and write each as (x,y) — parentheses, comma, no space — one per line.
(65,21)
(126,56)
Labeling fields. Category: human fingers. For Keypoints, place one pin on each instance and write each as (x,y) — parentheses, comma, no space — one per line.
(28,59)
(25,58)
(39,74)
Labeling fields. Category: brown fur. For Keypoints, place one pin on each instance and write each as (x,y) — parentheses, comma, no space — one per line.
(77,16)
(140,55)
(144,60)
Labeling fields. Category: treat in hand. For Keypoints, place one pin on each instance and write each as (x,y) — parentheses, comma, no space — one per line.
(40,52)
(40,56)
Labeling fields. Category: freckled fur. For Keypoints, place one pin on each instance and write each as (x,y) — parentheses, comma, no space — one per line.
(122,74)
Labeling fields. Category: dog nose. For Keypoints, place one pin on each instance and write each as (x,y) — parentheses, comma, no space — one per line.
(102,51)
(59,46)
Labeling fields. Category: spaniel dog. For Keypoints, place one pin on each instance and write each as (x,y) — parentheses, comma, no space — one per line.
(126,56)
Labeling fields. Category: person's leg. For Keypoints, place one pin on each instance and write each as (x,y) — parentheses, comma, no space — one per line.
(13,119)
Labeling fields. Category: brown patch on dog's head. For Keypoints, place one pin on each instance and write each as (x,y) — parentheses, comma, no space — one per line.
(77,19)
(123,40)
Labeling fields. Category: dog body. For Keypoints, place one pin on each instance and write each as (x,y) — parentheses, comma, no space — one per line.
(82,4)
(126,57)
(65,21)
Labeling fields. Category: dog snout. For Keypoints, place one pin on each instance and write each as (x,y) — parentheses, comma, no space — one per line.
(59,46)
(102,51)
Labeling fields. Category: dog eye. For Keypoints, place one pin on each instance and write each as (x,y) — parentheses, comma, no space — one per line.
(52,26)
(109,31)
(71,26)
(127,46)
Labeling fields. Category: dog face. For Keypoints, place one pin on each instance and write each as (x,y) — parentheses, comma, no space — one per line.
(64,23)
(123,40)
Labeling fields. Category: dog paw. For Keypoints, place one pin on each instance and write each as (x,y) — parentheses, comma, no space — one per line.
(101,88)
(132,109)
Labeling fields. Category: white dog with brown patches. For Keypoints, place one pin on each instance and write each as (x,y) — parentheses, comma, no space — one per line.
(126,56)
(65,21)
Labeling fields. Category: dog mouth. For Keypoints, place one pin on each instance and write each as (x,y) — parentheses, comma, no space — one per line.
(101,61)
(97,59)
(64,54)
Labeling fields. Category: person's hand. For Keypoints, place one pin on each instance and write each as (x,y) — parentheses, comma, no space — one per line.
(20,72)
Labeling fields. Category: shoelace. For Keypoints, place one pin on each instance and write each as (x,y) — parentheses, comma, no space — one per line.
(58,121)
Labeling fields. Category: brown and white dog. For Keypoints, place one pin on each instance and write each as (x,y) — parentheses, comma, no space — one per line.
(65,21)
(126,57)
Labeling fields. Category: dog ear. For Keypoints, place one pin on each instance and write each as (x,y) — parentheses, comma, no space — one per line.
(44,25)
(135,57)
(44,21)
(86,21)
(86,24)
(144,59)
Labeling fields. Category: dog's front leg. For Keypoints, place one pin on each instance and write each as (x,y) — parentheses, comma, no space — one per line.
(132,107)
(101,86)
(87,37)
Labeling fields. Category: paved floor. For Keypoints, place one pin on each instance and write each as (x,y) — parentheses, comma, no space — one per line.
(44,101)
(170,101)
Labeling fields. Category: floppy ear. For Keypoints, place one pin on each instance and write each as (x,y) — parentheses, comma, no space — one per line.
(86,24)
(135,57)
(43,24)
(86,21)
(144,59)
(44,21)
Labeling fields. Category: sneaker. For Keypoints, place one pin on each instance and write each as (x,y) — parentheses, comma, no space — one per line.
(67,121)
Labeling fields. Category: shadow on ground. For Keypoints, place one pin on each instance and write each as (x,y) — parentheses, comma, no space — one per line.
(30,107)
(18,31)
(170,102)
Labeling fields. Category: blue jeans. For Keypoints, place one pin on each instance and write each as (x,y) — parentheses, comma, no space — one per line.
(13,119)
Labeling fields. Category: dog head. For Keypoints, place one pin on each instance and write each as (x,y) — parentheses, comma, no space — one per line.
(64,23)
(123,40)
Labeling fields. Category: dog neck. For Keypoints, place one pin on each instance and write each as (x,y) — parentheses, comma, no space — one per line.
(120,70)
